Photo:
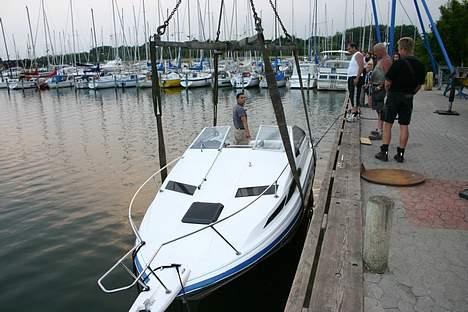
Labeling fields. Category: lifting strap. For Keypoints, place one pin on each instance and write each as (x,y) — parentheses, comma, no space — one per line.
(156,93)
(277,104)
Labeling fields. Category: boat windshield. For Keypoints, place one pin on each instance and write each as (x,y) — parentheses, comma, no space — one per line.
(211,138)
(269,138)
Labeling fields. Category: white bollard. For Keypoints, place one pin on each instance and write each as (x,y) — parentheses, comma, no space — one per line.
(377,233)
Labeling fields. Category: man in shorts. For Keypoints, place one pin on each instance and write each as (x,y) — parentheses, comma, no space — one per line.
(403,81)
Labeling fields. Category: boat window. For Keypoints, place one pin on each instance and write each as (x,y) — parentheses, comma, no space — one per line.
(255,191)
(343,78)
(323,77)
(298,138)
(276,212)
(181,187)
(211,138)
(269,138)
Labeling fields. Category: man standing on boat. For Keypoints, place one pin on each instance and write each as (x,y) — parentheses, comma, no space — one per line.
(355,79)
(239,117)
(403,80)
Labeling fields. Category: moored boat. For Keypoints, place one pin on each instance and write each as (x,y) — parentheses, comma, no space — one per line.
(195,79)
(246,79)
(280,78)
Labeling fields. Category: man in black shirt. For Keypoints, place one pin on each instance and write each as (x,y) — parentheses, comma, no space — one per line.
(402,81)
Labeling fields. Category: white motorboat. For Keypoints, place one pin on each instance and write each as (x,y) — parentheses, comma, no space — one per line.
(308,75)
(246,79)
(221,210)
(333,75)
(103,82)
(61,81)
(20,84)
(333,72)
(195,79)
(224,79)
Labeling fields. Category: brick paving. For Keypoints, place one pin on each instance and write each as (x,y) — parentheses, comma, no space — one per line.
(428,259)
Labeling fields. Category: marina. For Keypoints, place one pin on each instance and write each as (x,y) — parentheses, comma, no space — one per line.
(275,211)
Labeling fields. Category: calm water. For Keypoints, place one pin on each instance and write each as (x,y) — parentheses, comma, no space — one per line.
(69,164)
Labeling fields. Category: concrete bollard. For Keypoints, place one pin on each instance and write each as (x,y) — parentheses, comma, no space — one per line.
(377,233)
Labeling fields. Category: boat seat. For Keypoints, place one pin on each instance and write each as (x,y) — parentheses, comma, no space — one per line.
(203,213)
(270,144)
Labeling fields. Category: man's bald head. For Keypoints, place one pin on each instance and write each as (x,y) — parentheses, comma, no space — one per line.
(380,49)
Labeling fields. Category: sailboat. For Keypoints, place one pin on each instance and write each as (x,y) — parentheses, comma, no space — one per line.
(222,209)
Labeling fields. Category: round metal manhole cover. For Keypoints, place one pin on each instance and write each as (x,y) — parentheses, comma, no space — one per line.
(393,177)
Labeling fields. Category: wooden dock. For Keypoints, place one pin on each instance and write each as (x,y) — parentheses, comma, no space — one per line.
(330,272)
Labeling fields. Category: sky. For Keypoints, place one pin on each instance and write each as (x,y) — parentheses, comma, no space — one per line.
(333,16)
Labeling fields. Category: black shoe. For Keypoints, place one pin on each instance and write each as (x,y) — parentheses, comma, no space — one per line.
(375,137)
(399,155)
(374,132)
(382,155)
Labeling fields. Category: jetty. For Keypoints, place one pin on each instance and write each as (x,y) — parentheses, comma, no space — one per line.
(428,227)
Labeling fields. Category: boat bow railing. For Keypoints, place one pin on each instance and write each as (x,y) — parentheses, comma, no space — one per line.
(140,278)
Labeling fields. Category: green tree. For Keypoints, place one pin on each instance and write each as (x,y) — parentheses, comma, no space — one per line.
(452,26)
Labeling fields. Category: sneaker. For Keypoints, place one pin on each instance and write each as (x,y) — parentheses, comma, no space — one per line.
(375,132)
(383,156)
(399,157)
(375,137)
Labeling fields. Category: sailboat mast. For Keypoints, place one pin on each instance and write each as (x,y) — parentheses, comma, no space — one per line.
(146,34)
(94,37)
(116,49)
(16,50)
(45,34)
(6,46)
(136,56)
(315,27)
(73,33)
(343,37)
(31,37)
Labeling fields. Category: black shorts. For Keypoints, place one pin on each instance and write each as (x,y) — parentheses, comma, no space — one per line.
(400,104)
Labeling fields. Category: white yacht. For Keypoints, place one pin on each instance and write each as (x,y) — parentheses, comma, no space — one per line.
(245,79)
(221,210)
(308,75)
(195,79)
(333,72)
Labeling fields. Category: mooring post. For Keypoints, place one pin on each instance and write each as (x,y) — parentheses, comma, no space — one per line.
(377,233)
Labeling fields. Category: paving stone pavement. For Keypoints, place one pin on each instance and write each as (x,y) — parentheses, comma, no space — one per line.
(428,258)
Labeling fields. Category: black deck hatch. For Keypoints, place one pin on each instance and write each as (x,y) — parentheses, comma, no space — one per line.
(203,213)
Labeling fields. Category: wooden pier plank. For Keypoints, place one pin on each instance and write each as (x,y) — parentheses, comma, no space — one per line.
(298,292)
(338,281)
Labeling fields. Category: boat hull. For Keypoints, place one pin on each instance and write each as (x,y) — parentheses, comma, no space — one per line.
(170,83)
(249,82)
(195,82)
(294,83)
(279,83)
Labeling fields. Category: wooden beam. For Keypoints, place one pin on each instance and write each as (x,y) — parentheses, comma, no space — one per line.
(247,44)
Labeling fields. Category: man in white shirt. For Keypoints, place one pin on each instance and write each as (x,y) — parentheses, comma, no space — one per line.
(355,79)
